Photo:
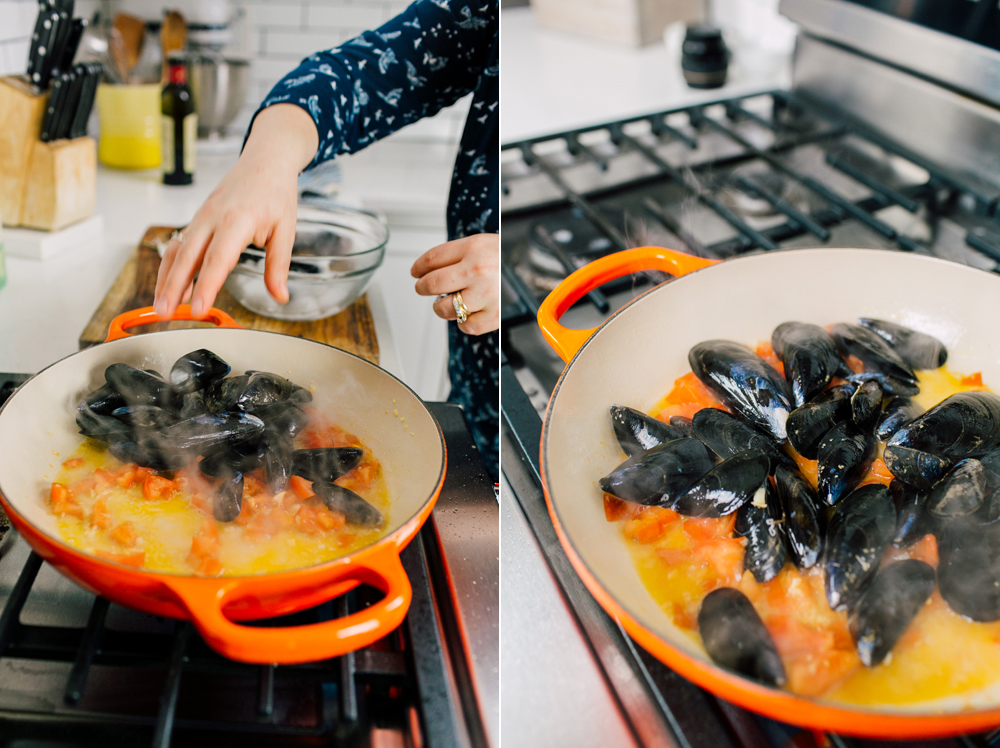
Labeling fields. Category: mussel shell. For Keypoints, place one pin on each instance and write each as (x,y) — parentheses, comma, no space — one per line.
(920,469)
(845,454)
(736,639)
(228,499)
(683,424)
(196,370)
(284,418)
(144,416)
(326,464)
(990,510)
(745,382)
(889,385)
(145,454)
(104,400)
(960,492)
(866,404)
(277,460)
(809,356)
(809,424)
(727,435)
(969,568)
(800,508)
(636,432)
(137,386)
(762,526)
(264,388)
(898,412)
(223,394)
(208,434)
(192,404)
(725,488)
(660,475)
(918,349)
(355,509)
(860,529)
(872,350)
(886,609)
(300,395)
(912,519)
(100,427)
(228,462)
(966,424)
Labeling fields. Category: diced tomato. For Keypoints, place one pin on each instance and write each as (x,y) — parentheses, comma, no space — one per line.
(125,478)
(329,520)
(205,549)
(685,616)
(157,487)
(346,538)
(74,463)
(815,673)
(808,468)
(125,534)
(63,502)
(708,528)
(973,380)
(925,550)
(766,352)
(252,487)
(878,473)
(99,516)
(650,525)
(688,396)
(301,487)
(137,559)
(142,472)
(615,508)
(854,364)
(724,555)
(305,520)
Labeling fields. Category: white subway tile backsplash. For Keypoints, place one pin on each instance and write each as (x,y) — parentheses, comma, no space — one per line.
(10,20)
(299,44)
(261,15)
(340,15)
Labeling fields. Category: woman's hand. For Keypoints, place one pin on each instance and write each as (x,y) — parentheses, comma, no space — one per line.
(470,265)
(255,203)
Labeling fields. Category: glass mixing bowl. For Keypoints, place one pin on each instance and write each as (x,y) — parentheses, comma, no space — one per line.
(337,251)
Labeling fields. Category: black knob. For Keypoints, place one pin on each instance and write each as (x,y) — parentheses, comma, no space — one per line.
(704,58)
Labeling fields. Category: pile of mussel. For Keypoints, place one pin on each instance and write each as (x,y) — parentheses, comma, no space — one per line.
(236,424)
(945,463)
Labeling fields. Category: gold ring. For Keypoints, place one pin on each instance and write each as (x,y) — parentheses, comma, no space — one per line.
(461,311)
(179,236)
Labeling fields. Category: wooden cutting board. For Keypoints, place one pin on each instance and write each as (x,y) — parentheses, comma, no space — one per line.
(351,330)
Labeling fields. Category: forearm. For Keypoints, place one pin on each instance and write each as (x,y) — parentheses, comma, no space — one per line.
(281,134)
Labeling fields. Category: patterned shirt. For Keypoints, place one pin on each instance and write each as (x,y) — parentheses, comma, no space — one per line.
(426,58)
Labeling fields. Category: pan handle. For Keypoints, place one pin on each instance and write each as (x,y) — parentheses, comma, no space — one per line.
(295,644)
(146,316)
(566,341)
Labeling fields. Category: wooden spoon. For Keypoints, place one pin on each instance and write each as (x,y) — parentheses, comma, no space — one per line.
(132,31)
(173,36)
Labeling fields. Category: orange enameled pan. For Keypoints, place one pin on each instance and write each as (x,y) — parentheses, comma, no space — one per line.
(633,359)
(37,424)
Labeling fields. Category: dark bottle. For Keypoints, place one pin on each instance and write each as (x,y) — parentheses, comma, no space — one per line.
(180,126)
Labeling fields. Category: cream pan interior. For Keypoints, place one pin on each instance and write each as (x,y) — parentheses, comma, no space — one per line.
(37,424)
(637,354)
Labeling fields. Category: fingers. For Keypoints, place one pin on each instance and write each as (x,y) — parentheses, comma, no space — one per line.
(220,258)
(480,323)
(277,260)
(180,262)
(446,280)
(444,308)
(438,257)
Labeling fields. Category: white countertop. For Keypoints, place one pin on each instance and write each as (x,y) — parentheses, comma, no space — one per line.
(46,304)
(555,81)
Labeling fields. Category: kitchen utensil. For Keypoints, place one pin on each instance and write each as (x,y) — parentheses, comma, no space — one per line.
(64,29)
(72,43)
(148,67)
(132,31)
(34,59)
(353,330)
(68,110)
(39,419)
(633,358)
(704,56)
(91,79)
(173,37)
(118,55)
(336,253)
(52,109)
(220,88)
(130,125)
(40,53)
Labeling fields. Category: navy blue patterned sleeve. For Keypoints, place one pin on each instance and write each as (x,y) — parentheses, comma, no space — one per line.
(421,61)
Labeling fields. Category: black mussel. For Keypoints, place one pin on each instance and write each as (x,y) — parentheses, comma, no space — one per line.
(967,424)
(637,432)
(104,400)
(683,424)
(144,416)
(960,492)
(192,404)
(761,523)
(898,412)
(912,519)
(228,500)
(800,508)
(100,427)
(866,405)
(888,606)
(145,454)
(208,434)
(196,370)
(859,531)
(660,475)
(890,385)
(918,349)
(736,639)
(277,460)
(229,461)
(725,488)
(809,424)
(285,418)
(355,509)
(968,569)
(873,351)
(727,435)
(300,395)
(745,382)
(326,464)
(809,356)
(222,395)
(845,454)
(137,386)
(990,510)
(264,388)
(920,469)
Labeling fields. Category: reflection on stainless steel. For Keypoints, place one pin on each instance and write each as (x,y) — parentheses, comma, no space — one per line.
(956,62)
(220,87)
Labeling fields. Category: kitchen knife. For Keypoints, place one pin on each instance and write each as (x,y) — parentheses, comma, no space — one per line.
(68,110)
(68,51)
(36,36)
(56,98)
(40,69)
(83,109)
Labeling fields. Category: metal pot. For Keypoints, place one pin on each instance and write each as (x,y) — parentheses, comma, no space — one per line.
(633,358)
(220,88)
(38,422)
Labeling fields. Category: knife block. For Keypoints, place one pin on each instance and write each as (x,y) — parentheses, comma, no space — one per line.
(42,185)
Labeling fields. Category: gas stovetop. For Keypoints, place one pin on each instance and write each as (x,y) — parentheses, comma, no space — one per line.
(76,670)
(773,172)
